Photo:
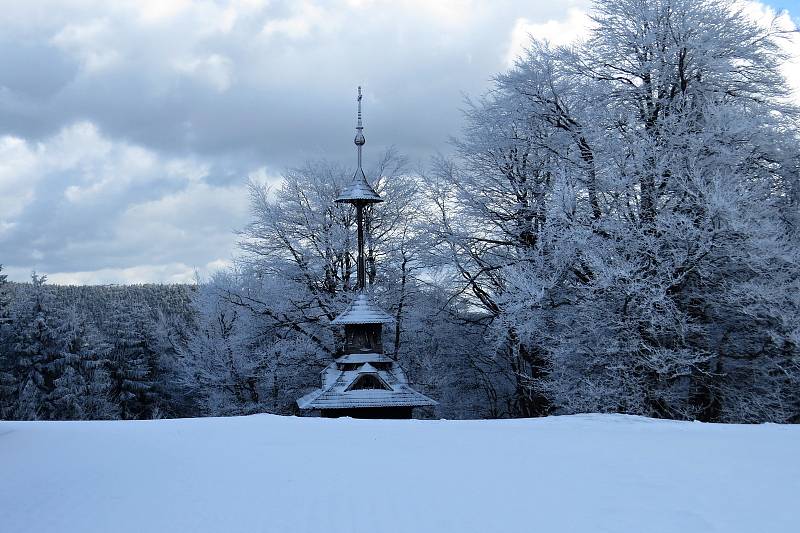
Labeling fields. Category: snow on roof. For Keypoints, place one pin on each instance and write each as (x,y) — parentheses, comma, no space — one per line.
(364,358)
(367,368)
(368,398)
(304,402)
(329,375)
(359,189)
(336,396)
(369,377)
(362,311)
(399,375)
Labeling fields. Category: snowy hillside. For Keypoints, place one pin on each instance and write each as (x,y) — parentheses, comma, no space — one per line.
(274,474)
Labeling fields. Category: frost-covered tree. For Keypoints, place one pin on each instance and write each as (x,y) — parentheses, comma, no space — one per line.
(704,140)
(512,189)
(5,299)
(7,380)
(35,353)
(622,211)
(220,362)
(132,363)
(300,236)
(98,344)
(297,275)
(82,389)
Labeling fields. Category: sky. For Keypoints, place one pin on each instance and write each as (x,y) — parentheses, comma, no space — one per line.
(129,129)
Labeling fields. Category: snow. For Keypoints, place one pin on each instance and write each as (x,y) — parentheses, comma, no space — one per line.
(336,394)
(367,368)
(359,189)
(362,311)
(267,473)
(364,358)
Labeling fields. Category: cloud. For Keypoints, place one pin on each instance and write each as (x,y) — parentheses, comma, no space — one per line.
(17,162)
(89,43)
(557,32)
(215,70)
(127,127)
(271,81)
(780,19)
(79,202)
(300,24)
(165,273)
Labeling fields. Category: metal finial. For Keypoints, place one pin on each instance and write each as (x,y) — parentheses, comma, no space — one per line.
(359,140)
(359,191)
(359,108)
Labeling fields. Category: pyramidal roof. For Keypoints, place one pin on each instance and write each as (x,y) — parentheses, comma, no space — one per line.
(337,394)
(359,189)
(364,358)
(362,311)
(367,368)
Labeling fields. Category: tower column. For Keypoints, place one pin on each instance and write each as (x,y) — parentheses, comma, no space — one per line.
(362,270)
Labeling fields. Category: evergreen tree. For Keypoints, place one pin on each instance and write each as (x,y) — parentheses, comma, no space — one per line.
(5,300)
(82,390)
(7,388)
(130,363)
(36,353)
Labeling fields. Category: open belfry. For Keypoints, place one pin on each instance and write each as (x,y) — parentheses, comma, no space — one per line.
(363,382)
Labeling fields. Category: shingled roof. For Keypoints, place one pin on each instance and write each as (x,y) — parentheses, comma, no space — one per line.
(359,189)
(364,358)
(334,393)
(362,311)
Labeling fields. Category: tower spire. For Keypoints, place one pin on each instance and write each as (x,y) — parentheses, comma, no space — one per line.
(359,190)
(359,127)
(359,193)
(359,140)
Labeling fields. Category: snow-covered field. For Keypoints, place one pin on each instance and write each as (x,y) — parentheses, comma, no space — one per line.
(275,474)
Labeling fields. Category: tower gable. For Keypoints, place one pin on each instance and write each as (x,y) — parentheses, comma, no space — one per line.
(368,382)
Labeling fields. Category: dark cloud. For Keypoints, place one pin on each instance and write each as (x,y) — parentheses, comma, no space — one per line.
(270,81)
(127,129)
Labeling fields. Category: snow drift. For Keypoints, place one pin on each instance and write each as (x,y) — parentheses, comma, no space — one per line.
(275,474)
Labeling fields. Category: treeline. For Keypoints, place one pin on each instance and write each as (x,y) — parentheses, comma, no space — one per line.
(88,353)
(618,231)
(163,351)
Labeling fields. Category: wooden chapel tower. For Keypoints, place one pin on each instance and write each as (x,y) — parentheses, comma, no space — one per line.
(363,382)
